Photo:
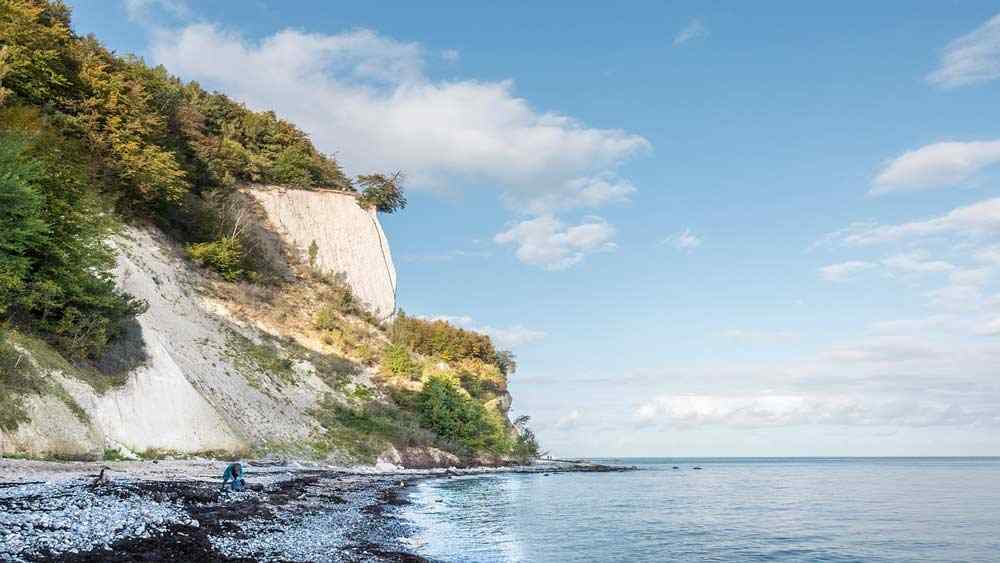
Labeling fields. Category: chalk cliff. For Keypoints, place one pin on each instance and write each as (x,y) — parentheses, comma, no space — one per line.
(199,388)
(345,239)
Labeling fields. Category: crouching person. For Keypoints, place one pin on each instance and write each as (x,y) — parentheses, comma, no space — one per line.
(233,477)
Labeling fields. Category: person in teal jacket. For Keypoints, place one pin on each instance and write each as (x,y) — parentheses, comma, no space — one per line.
(234,477)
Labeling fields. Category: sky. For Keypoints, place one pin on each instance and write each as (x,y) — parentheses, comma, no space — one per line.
(704,228)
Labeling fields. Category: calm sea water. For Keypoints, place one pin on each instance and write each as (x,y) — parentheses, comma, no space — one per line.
(924,509)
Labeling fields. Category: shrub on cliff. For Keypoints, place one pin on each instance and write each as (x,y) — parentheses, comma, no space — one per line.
(225,256)
(383,192)
(438,338)
(396,361)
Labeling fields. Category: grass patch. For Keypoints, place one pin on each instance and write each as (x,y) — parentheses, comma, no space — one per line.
(347,335)
(335,371)
(112,454)
(337,297)
(365,430)
(258,361)
(49,359)
(19,377)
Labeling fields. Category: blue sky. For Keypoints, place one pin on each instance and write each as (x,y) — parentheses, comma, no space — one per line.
(705,229)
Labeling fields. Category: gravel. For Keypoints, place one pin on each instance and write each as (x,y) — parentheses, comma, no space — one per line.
(73,517)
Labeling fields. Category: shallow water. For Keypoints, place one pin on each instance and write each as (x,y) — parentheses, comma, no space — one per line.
(893,510)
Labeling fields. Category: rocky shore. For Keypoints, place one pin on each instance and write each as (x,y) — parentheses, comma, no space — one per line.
(175,511)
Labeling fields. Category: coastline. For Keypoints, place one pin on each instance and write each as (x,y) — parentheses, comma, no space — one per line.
(174,510)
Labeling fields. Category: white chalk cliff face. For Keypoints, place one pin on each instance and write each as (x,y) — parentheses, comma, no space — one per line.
(348,239)
(197,391)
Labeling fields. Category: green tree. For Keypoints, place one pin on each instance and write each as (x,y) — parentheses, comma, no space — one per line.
(21,225)
(384,193)
(55,250)
(39,64)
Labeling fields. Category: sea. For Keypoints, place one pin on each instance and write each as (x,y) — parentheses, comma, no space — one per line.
(761,509)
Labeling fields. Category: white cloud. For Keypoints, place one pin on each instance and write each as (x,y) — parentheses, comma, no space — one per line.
(971,276)
(569,421)
(545,241)
(450,55)
(920,326)
(915,262)
(972,58)
(693,30)
(685,241)
(992,328)
(979,218)
(988,254)
(368,98)
(937,165)
(844,270)
(882,350)
(956,296)
(775,409)
(590,192)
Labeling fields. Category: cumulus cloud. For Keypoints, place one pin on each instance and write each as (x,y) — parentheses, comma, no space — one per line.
(844,271)
(693,30)
(937,165)
(773,410)
(685,241)
(979,218)
(450,55)
(972,58)
(367,97)
(547,242)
